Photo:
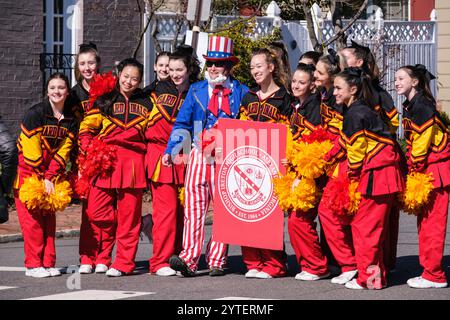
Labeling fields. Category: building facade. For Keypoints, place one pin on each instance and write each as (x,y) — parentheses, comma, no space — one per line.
(443,59)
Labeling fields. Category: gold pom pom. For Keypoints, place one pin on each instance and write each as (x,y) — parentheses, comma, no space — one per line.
(32,193)
(295,194)
(355,197)
(418,189)
(308,158)
(181,195)
(60,198)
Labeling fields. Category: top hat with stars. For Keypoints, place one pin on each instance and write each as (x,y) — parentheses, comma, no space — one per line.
(220,49)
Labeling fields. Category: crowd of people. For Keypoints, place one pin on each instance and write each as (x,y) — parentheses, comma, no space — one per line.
(151,129)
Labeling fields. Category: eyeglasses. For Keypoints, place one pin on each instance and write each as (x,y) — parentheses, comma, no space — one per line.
(218,64)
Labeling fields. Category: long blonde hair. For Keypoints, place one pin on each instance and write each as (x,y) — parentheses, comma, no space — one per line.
(279,75)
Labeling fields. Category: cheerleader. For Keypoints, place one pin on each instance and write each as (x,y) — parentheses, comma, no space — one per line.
(115,199)
(360,56)
(373,162)
(268,102)
(310,57)
(428,146)
(164,180)
(44,152)
(161,68)
(337,233)
(304,120)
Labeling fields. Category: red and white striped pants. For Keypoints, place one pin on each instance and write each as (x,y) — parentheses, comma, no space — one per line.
(199,191)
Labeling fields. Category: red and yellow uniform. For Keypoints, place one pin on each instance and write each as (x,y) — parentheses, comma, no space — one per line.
(373,161)
(116,199)
(44,147)
(428,150)
(80,100)
(302,227)
(275,108)
(167,212)
(383,101)
(336,236)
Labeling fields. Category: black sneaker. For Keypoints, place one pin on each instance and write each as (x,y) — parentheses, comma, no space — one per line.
(216,272)
(177,264)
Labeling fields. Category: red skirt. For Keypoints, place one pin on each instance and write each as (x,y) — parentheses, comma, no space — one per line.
(128,172)
(173,174)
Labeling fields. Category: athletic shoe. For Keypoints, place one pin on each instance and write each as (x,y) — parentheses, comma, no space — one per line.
(263,275)
(114,273)
(165,272)
(306,276)
(53,272)
(37,273)
(251,273)
(344,277)
(178,264)
(101,268)
(85,269)
(421,283)
(353,284)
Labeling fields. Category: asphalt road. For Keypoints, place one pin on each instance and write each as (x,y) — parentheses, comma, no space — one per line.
(142,286)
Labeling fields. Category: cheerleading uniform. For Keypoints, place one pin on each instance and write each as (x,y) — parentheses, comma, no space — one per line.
(302,227)
(373,161)
(193,118)
(428,144)
(80,99)
(336,230)
(275,108)
(167,212)
(384,102)
(115,200)
(44,147)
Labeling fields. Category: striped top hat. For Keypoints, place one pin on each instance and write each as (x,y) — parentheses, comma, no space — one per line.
(220,49)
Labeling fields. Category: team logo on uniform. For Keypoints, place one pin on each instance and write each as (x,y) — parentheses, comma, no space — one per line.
(245,183)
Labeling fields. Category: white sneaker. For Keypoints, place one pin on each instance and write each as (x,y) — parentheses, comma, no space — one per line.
(421,283)
(101,268)
(53,272)
(85,269)
(37,273)
(306,276)
(353,284)
(165,272)
(263,275)
(251,273)
(114,273)
(344,277)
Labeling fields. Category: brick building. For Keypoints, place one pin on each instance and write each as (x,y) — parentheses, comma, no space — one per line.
(31,28)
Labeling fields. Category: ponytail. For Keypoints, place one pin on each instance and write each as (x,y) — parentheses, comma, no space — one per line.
(423,76)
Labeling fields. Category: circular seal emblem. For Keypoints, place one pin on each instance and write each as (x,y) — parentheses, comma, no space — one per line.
(245,183)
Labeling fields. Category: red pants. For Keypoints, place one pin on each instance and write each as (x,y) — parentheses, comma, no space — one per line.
(432,226)
(338,235)
(369,230)
(199,191)
(167,219)
(38,229)
(390,244)
(305,242)
(119,210)
(272,262)
(98,227)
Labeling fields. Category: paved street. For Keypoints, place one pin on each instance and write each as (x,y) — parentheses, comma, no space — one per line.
(141,285)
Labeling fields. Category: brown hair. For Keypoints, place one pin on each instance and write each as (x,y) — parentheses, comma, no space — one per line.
(86,48)
(279,74)
(57,75)
(419,72)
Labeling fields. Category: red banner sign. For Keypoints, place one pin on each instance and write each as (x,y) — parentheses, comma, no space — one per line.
(246,209)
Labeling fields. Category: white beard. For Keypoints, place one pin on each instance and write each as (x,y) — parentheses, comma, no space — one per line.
(217,81)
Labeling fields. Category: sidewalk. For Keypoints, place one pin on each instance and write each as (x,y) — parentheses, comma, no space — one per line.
(67,223)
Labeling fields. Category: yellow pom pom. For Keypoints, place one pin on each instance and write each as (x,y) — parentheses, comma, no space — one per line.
(32,193)
(302,195)
(60,198)
(355,197)
(181,195)
(308,158)
(418,188)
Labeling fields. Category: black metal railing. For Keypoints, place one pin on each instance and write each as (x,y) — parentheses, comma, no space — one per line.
(56,62)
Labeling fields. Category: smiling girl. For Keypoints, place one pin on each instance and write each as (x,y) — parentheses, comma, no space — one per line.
(167,216)
(115,200)
(44,152)
(428,151)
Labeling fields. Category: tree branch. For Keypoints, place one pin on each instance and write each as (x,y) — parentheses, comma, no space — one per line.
(350,23)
